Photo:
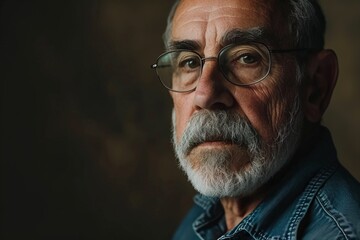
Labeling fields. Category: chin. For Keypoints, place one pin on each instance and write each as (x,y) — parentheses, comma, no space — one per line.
(229,157)
(231,171)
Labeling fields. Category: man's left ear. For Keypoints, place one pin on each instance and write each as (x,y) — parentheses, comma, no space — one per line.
(320,82)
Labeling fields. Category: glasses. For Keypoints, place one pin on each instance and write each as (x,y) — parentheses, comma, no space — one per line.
(241,64)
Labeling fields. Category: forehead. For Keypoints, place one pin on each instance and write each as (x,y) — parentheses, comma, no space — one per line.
(207,21)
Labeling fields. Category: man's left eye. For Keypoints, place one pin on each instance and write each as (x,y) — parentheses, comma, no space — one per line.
(247,59)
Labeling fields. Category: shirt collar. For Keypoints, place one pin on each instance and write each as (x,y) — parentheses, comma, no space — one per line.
(288,199)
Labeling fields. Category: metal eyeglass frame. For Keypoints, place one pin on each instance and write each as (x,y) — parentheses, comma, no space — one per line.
(203,60)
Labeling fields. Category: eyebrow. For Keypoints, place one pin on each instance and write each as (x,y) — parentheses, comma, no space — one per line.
(257,34)
(234,36)
(184,44)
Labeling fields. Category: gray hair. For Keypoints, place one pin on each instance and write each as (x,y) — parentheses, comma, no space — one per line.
(306,23)
(168,29)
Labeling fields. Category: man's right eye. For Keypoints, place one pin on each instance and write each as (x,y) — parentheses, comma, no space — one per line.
(189,63)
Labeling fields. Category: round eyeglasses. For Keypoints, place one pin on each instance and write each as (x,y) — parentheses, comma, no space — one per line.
(241,64)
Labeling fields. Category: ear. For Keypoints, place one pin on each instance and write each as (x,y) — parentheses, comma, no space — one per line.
(320,82)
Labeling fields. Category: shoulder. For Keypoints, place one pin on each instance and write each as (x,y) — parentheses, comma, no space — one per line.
(335,211)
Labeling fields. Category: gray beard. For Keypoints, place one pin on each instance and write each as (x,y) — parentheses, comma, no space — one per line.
(214,175)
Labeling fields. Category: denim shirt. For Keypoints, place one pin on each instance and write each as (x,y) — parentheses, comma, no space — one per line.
(315,198)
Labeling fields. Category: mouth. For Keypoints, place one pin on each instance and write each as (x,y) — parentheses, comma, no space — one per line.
(212,143)
(215,143)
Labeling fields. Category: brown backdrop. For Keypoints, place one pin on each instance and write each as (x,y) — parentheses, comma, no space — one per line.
(85,124)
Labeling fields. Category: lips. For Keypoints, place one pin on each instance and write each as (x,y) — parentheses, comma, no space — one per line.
(214,141)
(215,127)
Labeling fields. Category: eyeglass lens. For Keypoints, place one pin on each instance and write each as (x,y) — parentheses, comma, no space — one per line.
(180,70)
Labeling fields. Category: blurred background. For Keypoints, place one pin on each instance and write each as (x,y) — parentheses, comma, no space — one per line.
(86,150)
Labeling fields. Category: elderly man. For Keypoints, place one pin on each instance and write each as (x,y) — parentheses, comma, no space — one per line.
(250,81)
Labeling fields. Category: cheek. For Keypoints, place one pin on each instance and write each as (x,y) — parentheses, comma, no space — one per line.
(267,107)
(281,95)
(182,110)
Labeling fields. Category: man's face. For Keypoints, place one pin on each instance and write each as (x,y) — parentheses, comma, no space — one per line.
(265,106)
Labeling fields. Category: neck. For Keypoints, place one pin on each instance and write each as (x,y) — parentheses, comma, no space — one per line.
(236,209)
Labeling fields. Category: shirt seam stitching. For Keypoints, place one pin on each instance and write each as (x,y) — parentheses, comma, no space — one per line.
(306,199)
(330,215)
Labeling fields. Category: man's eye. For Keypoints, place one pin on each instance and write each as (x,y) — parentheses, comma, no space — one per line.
(189,63)
(247,58)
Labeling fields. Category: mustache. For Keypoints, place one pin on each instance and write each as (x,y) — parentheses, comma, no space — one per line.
(219,125)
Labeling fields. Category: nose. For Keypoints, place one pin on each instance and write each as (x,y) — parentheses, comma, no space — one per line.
(212,91)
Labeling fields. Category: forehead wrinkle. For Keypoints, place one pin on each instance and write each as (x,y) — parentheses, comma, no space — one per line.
(209,9)
(181,14)
(214,31)
(238,11)
(209,12)
(207,16)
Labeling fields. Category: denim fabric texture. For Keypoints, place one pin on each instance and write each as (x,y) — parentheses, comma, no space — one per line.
(312,198)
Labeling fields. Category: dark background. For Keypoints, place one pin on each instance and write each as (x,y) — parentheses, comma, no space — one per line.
(85,150)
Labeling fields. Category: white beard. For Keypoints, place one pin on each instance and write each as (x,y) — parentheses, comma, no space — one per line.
(213,174)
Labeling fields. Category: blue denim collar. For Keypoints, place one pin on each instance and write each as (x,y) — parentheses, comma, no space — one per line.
(281,212)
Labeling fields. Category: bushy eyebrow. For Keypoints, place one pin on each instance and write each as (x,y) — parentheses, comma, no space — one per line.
(184,44)
(236,36)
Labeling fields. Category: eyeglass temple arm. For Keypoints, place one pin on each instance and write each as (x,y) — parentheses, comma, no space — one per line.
(294,50)
(155,65)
